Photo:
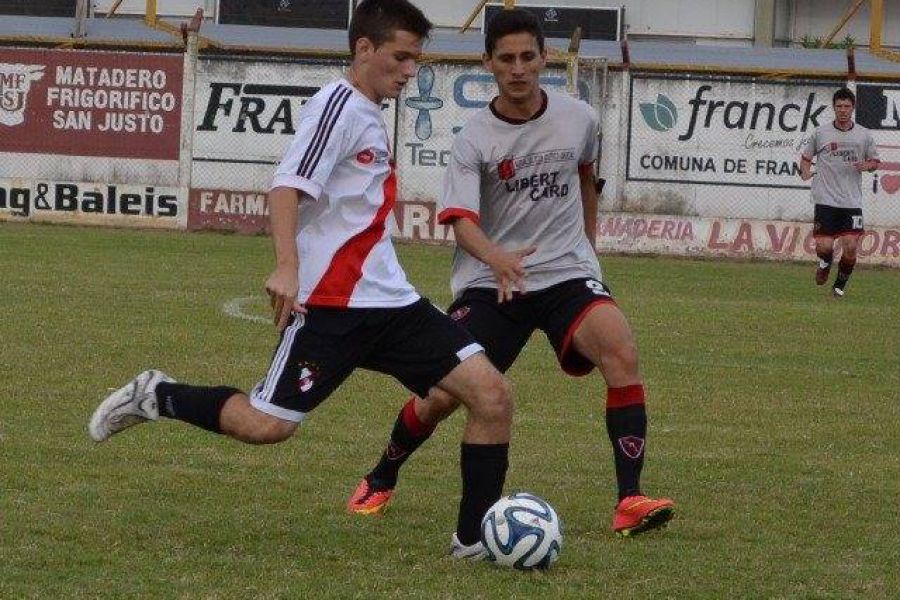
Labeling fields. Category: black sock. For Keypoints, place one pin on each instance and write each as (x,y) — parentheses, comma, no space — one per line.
(194,404)
(845,269)
(626,425)
(408,434)
(825,256)
(483,469)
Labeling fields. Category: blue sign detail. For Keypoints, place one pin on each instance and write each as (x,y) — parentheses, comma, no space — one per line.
(424,102)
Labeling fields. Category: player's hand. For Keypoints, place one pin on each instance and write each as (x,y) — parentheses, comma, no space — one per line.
(282,286)
(805,176)
(509,271)
(862,165)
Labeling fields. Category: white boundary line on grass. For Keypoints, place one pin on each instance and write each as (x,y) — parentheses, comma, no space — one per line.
(235,308)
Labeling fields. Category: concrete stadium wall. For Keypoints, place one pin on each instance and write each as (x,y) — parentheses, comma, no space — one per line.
(695,164)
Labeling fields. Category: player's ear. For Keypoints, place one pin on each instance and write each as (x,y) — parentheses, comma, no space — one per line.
(486,61)
(364,47)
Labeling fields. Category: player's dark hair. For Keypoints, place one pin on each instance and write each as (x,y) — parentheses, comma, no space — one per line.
(514,20)
(377,20)
(843,94)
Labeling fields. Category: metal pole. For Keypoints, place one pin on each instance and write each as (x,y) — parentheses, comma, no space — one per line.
(114,8)
(876,24)
(472,16)
(81,12)
(847,16)
(150,13)
(186,149)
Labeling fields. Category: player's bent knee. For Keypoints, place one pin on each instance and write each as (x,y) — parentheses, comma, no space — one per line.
(494,399)
(621,360)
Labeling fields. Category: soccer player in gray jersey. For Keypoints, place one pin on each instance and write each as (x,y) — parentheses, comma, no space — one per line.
(843,150)
(521,195)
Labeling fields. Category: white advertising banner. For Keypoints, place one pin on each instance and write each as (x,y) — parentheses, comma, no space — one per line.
(705,131)
(83,203)
(730,146)
(245,116)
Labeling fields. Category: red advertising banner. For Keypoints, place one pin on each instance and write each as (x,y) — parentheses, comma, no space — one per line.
(81,103)
(225,210)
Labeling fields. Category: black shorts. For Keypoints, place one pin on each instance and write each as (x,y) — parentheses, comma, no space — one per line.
(416,344)
(831,221)
(504,329)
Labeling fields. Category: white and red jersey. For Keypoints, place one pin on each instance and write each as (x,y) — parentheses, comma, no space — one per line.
(340,160)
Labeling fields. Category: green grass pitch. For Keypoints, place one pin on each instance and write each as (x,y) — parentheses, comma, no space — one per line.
(775,425)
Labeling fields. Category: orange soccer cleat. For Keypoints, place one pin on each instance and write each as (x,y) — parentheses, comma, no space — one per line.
(636,514)
(368,500)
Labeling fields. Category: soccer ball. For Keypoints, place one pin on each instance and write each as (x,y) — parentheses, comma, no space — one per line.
(522,531)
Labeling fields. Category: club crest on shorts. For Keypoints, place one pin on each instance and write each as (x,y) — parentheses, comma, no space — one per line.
(460,313)
(632,446)
(506,169)
(307,377)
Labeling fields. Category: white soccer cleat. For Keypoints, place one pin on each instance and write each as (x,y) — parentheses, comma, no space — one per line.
(459,550)
(129,405)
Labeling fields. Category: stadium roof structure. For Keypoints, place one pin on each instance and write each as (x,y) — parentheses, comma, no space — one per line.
(671,56)
(99,33)
(642,55)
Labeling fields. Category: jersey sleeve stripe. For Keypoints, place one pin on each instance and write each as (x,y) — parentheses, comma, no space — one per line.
(319,140)
(448,215)
(320,126)
(312,167)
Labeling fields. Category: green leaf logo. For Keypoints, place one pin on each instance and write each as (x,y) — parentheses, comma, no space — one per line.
(660,116)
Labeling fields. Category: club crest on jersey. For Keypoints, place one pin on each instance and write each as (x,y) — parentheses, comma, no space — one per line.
(632,446)
(506,169)
(459,313)
(371,155)
(307,377)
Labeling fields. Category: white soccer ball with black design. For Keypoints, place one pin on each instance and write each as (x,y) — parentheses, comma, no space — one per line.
(522,531)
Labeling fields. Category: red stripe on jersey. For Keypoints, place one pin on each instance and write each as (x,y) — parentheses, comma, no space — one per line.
(448,215)
(586,169)
(336,285)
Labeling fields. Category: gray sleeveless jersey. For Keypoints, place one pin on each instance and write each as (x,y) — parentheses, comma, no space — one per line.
(520,182)
(837,182)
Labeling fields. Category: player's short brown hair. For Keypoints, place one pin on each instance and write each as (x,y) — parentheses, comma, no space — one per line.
(511,21)
(844,94)
(377,20)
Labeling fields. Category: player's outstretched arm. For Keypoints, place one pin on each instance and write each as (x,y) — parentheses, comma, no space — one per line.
(283,284)
(506,264)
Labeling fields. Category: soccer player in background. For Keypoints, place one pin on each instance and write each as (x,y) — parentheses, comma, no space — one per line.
(520,193)
(842,149)
(339,296)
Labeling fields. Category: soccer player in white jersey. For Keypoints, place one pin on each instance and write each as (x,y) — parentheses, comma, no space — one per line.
(521,195)
(842,150)
(339,296)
